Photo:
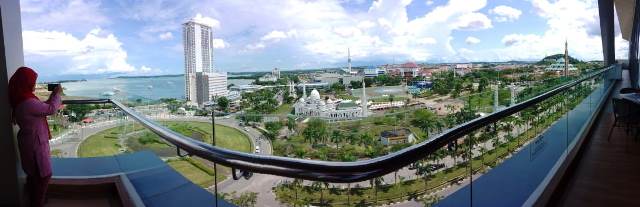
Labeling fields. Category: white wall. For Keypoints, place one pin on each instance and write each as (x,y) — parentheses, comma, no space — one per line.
(12,34)
(11,176)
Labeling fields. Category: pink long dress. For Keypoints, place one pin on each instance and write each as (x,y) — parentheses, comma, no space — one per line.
(33,141)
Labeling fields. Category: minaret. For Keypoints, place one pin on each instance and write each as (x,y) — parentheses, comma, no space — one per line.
(292,89)
(566,58)
(496,104)
(304,90)
(349,59)
(363,100)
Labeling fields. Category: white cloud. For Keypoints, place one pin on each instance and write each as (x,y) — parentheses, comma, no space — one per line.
(366,24)
(571,26)
(427,41)
(219,43)
(473,21)
(97,52)
(506,13)
(429,2)
(166,36)
(519,39)
(78,16)
(213,23)
(472,40)
(318,32)
(256,46)
(274,35)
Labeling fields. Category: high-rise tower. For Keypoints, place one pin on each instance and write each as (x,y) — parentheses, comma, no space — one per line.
(202,82)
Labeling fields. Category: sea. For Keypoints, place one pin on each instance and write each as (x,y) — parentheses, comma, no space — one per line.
(145,88)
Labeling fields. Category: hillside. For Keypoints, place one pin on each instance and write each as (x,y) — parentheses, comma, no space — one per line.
(552,59)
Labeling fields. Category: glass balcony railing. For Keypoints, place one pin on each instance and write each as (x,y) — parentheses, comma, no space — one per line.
(500,147)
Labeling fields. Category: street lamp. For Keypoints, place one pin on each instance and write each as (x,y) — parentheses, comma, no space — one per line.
(213,143)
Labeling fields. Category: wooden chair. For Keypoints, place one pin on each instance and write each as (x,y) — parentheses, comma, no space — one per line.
(629,90)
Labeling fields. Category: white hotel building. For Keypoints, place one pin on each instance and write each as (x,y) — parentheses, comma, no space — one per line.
(202,82)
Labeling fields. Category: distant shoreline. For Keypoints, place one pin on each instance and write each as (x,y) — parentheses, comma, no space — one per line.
(151,76)
(63,81)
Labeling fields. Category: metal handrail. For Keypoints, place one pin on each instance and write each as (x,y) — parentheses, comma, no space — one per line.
(330,171)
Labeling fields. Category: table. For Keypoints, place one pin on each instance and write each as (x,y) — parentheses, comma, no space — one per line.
(633,97)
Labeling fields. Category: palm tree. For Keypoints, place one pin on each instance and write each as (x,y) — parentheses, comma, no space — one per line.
(326,186)
(336,137)
(316,185)
(296,184)
(348,194)
(375,182)
(424,171)
(425,120)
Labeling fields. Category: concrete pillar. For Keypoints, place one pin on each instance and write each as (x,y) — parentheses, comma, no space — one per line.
(633,48)
(11,57)
(607,21)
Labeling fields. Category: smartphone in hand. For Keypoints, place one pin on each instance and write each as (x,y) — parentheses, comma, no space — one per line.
(52,86)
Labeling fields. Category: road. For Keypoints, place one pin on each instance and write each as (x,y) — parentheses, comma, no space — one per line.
(262,184)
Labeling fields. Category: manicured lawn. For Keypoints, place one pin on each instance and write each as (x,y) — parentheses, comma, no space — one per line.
(193,170)
(284,109)
(106,142)
(484,101)
(196,170)
(226,137)
(101,144)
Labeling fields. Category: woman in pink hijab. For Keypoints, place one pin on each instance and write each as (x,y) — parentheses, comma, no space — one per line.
(33,138)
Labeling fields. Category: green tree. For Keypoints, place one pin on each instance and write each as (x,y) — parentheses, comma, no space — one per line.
(336,137)
(375,182)
(483,84)
(337,87)
(77,112)
(391,97)
(273,128)
(424,170)
(245,199)
(425,120)
(223,103)
(317,186)
(316,131)
(291,124)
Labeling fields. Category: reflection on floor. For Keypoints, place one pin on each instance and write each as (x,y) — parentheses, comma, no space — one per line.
(607,173)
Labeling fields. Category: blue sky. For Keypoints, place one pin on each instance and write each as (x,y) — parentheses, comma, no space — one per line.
(93,38)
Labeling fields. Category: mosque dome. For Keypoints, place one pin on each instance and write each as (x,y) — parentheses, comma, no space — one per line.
(301,100)
(315,95)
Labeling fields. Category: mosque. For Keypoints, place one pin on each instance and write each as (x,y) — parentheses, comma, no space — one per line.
(332,110)
(562,64)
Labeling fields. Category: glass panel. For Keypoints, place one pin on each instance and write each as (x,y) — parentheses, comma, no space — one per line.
(516,151)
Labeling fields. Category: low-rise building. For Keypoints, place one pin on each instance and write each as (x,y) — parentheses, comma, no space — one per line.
(397,136)
(372,71)
(559,65)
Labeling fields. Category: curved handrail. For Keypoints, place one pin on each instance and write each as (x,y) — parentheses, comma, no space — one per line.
(330,171)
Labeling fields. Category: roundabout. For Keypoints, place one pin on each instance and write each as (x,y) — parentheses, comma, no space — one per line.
(128,137)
